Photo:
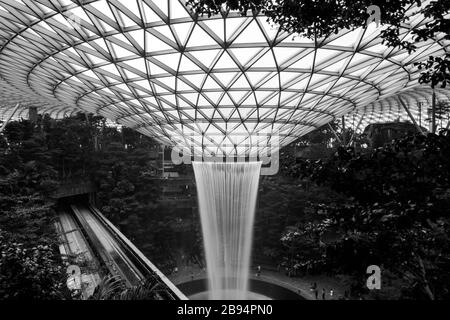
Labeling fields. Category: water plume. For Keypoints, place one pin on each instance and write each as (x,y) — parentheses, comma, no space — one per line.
(227,198)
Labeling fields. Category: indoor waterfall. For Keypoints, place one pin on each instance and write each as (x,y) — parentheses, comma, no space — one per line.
(227,198)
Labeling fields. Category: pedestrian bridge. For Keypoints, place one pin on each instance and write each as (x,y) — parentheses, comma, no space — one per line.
(75,187)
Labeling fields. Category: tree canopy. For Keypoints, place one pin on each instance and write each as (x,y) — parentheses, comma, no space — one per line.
(395,216)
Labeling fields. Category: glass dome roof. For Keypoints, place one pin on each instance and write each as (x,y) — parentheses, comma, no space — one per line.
(413,105)
(155,67)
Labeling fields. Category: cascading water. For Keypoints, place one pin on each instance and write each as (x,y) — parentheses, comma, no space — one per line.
(227,198)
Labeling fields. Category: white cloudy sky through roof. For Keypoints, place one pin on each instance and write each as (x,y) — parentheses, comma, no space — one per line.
(152,66)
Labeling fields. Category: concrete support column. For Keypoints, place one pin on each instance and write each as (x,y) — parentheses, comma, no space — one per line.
(433,113)
(32,114)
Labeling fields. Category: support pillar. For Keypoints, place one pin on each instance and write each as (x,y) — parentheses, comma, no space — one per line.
(433,113)
(32,114)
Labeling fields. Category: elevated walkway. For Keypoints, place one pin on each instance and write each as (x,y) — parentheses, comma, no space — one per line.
(113,250)
(71,188)
(75,249)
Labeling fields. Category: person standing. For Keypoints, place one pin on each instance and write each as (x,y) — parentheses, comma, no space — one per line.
(316,292)
(331,294)
(258,271)
(323,294)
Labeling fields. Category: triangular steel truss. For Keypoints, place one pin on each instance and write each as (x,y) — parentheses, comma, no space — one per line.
(156,67)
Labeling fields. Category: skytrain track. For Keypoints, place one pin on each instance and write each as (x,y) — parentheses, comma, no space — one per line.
(119,255)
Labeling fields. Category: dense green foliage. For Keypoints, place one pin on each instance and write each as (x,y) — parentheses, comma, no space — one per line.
(30,266)
(336,215)
(113,288)
(121,162)
(395,216)
(35,158)
(129,190)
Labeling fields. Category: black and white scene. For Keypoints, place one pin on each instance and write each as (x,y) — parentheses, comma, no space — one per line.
(224,150)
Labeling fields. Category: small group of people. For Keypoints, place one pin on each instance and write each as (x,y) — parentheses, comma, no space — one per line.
(315,289)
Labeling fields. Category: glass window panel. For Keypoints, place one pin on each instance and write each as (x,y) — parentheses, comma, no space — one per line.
(177,10)
(205,57)
(153,43)
(266,61)
(237,95)
(187,65)
(251,34)
(182,30)
(148,15)
(256,77)
(213,96)
(225,77)
(225,62)
(233,24)
(170,60)
(217,26)
(304,63)
(226,101)
(211,84)
(200,38)
(195,79)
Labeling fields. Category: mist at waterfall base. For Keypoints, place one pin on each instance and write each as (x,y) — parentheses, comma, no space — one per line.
(227,198)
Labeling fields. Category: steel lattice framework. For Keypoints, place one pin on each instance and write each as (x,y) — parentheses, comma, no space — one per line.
(412,105)
(154,66)
(14,103)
